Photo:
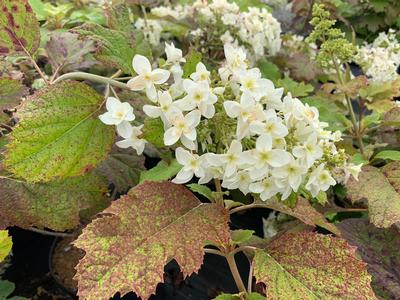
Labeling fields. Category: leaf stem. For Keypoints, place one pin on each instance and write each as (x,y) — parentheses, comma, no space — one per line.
(218,188)
(35,65)
(230,258)
(249,206)
(51,233)
(91,77)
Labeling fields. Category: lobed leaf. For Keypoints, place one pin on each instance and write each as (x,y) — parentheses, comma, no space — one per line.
(309,265)
(128,246)
(56,205)
(5,244)
(379,248)
(59,134)
(375,187)
(19,29)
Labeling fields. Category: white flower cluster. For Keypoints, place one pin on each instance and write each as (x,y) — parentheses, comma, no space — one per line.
(255,28)
(381,59)
(276,147)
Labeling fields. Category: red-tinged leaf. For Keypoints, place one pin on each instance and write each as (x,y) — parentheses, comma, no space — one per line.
(304,212)
(55,205)
(309,265)
(19,29)
(302,68)
(379,248)
(374,186)
(128,246)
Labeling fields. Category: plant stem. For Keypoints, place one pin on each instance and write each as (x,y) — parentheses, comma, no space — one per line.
(250,278)
(35,65)
(353,118)
(230,258)
(214,251)
(218,188)
(45,232)
(249,206)
(91,77)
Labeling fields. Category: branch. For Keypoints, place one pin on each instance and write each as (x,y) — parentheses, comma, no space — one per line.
(230,258)
(91,77)
(45,232)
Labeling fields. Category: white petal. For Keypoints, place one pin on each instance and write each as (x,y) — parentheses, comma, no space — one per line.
(278,158)
(264,142)
(137,83)
(152,111)
(193,118)
(112,103)
(108,119)
(141,64)
(183,156)
(125,129)
(171,136)
(159,76)
(188,143)
(183,176)
(232,108)
(124,144)
(151,92)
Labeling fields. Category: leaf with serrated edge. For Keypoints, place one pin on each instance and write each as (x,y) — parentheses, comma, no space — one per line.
(59,134)
(54,205)
(5,244)
(309,265)
(128,246)
(19,28)
(379,248)
(376,188)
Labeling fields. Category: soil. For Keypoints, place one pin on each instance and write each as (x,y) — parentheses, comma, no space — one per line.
(34,278)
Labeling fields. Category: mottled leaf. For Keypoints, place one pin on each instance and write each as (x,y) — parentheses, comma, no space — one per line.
(19,29)
(374,187)
(379,248)
(122,168)
(11,92)
(153,132)
(297,89)
(114,47)
(388,155)
(118,17)
(309,265)
(55,205)
(269,70)
(240,236)
(65,50)
(128,246)
(302,67)
(5,244)
(304,212)
(163,171)
(59,134)
(201,189)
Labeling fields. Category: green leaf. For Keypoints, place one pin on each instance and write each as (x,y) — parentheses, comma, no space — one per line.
(297,89)
(153,132)
(227,297)
(118,17)
(11,92)
(201,189)
(116,48)
(19,28)
(240,236)
(59,134)
(192,59)
(6,288)
(122,168)
(129,244)
(379,248)
(309,265)
(5,245)
(269,70)
(255,296)
(57,205)
(358,158)
(381,190)
(163,171)
(388,155)
(245,4)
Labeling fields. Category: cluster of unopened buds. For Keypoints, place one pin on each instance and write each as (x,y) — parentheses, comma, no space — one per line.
(276,147)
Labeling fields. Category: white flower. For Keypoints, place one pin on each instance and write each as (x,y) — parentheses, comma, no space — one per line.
(309,151)
(235,61)
(272,96)
(183,128)
(290,174)
(252,82)
(241,180)
(320,180)
(147,78)
(266,188)
(263,157)
(166,110)
(198,95)
(231,160)
(131,138)
(201,73)
(117,112)
(352,170)
(247,111)
(272,125)
(174,55)
(191,166)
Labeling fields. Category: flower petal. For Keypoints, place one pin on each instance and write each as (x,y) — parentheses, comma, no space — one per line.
(159,76)
(141,64)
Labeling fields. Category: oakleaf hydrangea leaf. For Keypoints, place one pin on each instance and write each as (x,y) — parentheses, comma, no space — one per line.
(5,244)
(309,265)
(55,205)
(59,134)
(379,189)
(161,172)
(11,92)
(128,246)
(19,28)
(379,248)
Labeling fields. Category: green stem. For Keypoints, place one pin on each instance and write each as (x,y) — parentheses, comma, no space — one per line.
(230,258)
(91,77)
(353,118)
